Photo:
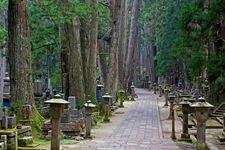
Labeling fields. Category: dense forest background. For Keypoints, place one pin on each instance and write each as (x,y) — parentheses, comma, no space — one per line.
(77,42)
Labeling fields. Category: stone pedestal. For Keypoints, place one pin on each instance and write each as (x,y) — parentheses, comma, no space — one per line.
(88,111)
(56,109)
(166,91)
(99,88)
(132,92)
(11,138)
(172,97)
(107,99)
(173,135)
(121,97)
(185,136)
(160,90)
(154,88)
(201,113)
(149,85)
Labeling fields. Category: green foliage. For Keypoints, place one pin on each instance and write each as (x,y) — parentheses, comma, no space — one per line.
(182,32)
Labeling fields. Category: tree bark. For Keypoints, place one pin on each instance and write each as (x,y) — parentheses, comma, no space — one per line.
(101,61)
(112,80)
(91,67)
(21,90)
(123,18)
(71,60)
(132,42)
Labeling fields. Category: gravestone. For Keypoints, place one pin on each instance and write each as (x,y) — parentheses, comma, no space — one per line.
(73,112)
(38,88)
(72,101)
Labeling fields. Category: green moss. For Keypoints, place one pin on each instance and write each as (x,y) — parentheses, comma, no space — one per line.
(8,130)
(37,124)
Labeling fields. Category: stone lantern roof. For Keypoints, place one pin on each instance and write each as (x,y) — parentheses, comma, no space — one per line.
(107,95)
(57,100)
(89,104)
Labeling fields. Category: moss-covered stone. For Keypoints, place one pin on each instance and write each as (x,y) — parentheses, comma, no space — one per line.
(24,141)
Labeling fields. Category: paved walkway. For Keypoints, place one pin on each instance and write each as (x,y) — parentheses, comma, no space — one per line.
(139,129)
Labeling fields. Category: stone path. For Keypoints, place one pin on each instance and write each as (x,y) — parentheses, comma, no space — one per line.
(139,129)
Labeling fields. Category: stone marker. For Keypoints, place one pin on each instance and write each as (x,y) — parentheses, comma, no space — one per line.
(26,112)
(121,97)
(154,88)
(160,90)
(166,91)
(185,136)
(107,99)
(99,88)
(171,99)
(149,85)
(88,111)
(132,92)
(38,88)
(72,101)
(56,109)
(201,113)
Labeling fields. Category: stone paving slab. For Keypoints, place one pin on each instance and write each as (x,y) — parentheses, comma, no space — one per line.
(139,129)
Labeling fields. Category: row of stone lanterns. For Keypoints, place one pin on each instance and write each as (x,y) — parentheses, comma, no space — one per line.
(56,110)
(201,108)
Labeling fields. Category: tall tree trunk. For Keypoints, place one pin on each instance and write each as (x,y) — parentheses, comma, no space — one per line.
(72,70)
(91,66)
(76,80)
(101,61)
(21,90)
(123,18)
(113,69)
(132,41)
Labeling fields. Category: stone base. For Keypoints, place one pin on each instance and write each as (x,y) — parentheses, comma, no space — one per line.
(202,146)
(11,138)
(71,129)
(88,137)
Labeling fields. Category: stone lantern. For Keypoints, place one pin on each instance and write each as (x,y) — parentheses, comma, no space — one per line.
(56,109)
(160,90)
(99,88)
(201,113)
(149,85)
(166,91)
(121,97)
(185,136)
(107,99)
(132,92)
(154,88)
(88,111)
(171,100)
(206,89)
